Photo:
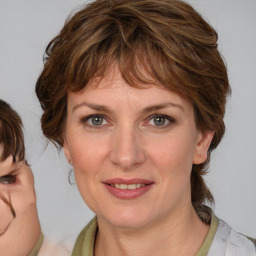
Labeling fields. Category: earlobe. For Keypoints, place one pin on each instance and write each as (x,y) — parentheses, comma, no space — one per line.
(203,144)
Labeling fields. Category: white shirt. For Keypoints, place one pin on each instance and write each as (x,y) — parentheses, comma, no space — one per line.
(49,248)
(228,242)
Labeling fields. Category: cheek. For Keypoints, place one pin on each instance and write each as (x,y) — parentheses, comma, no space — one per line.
(88,153)
(22,200)
(172,160)
(173,154)
(5,216)
(87,161)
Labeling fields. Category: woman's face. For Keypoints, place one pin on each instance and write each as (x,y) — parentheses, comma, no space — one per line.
(132,150)
(18,234)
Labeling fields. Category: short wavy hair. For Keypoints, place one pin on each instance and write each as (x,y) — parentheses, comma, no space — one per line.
(11,134)
(162,42)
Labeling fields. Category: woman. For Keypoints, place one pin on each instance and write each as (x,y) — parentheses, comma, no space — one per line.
(20,231)
(135,93)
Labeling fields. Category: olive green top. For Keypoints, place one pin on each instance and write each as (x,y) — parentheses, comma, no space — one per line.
(85,242)
(209,238)
(37,247)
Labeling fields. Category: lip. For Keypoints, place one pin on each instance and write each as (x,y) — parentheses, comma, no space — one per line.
(128,194)
(128,181)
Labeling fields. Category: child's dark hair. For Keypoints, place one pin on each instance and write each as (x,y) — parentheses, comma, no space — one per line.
(12,140)
(11,135)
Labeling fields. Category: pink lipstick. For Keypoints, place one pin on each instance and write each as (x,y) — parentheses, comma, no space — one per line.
(128,188)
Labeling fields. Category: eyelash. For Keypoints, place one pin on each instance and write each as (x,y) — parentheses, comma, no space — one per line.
(8,179)
(167,118)
(85,120)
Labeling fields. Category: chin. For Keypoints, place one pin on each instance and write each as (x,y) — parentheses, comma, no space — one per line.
(128,219)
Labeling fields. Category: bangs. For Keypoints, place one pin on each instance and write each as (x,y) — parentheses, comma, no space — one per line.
(136,67)
(11,134)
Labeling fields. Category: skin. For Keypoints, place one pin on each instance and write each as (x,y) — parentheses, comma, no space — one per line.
(129,144)
(18,235)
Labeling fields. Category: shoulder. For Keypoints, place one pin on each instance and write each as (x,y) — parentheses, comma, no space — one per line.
(242,244)
(232,242)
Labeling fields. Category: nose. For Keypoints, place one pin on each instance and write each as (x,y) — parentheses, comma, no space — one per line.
(127,148)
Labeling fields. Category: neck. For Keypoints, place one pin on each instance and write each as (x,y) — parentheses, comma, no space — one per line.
(180,234)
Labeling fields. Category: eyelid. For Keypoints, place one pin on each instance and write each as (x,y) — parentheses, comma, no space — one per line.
(10,171)
(8,179)
(170,119)
(163,115)
(86,118)
(13,173)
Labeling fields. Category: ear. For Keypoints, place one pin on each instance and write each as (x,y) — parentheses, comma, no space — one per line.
(66,151)
(203,143)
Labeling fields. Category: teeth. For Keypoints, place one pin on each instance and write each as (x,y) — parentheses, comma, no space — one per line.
(125,186)
(132,186)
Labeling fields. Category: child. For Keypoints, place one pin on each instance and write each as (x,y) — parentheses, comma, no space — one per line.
(20,231)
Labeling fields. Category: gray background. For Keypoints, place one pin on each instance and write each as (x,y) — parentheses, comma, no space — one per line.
(26,26)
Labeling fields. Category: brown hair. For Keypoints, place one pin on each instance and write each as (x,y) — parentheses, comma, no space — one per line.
(163,42)
(11,137)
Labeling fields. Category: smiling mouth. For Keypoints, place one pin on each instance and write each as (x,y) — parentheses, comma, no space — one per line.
(127,186)
(128,189)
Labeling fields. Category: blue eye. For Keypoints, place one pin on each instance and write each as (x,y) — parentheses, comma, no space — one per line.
(8,179)
(161,120)
(95,120)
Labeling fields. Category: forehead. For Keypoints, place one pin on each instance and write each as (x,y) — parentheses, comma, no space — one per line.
(112,88)
(112,76)
(7,164)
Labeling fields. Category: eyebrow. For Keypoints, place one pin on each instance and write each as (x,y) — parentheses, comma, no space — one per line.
(93,106)
(145,110)
(8,172)
(161,106)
